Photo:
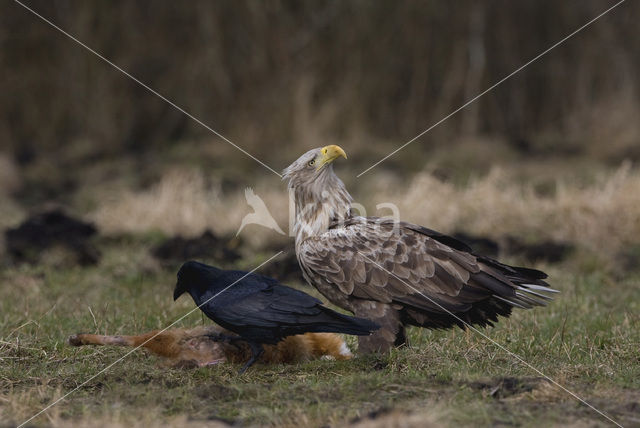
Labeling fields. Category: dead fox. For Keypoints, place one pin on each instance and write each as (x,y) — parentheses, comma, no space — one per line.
(204,346)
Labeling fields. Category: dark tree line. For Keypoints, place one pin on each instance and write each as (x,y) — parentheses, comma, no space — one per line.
(262,71)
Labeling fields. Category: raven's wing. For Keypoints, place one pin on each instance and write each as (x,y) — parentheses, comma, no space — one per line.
(270,306)
(402,263)
(288,311)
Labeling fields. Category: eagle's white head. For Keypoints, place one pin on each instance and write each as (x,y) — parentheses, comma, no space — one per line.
(320,196)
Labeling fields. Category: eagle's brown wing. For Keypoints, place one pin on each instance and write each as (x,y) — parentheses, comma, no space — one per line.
(428,274)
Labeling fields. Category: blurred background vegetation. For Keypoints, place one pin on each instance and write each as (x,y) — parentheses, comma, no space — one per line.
(280,77)
(541,171)
(263,73)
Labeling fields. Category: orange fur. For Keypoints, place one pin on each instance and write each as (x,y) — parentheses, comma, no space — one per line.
(192,347)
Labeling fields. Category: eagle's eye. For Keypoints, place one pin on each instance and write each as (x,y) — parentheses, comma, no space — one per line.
(311,162)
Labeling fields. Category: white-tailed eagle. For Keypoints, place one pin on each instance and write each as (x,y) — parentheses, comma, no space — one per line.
(395,273)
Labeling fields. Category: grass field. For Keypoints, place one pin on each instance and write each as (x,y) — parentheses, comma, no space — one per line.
(587,340)
(515,123)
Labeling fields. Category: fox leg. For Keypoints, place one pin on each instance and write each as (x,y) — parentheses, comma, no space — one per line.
(162,343)
(98,339)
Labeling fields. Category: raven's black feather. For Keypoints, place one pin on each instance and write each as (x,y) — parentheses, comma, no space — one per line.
(260,309)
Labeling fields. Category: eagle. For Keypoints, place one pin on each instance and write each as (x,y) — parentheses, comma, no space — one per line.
(395,273)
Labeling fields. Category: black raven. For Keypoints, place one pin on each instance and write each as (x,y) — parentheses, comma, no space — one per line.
(260,309)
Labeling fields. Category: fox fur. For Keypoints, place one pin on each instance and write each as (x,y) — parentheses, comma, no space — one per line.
(196,347)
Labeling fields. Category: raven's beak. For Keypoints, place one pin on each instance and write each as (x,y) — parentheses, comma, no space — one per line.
(177,293)
(330,153)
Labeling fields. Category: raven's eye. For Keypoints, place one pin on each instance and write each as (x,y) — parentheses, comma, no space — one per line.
(311,162)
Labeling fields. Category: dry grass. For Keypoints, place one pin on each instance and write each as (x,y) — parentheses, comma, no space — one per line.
(430,418)
(603,215)
(19,407)
(586,339)
(186,202)
(181,203)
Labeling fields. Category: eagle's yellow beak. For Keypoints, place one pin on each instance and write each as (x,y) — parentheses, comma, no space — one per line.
(330,153)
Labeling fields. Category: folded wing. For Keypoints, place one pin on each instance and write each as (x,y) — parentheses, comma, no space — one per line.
(431,276)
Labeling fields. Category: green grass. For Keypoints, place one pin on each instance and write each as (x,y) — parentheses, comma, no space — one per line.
(588,340)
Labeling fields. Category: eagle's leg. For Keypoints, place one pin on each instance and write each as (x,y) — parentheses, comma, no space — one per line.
(401,338)
(391,332)
(256,352)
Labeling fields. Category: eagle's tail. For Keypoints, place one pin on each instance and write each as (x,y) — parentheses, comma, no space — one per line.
(492,292)
(520,287)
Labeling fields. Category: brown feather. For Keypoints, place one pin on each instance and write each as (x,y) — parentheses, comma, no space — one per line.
(397,273)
